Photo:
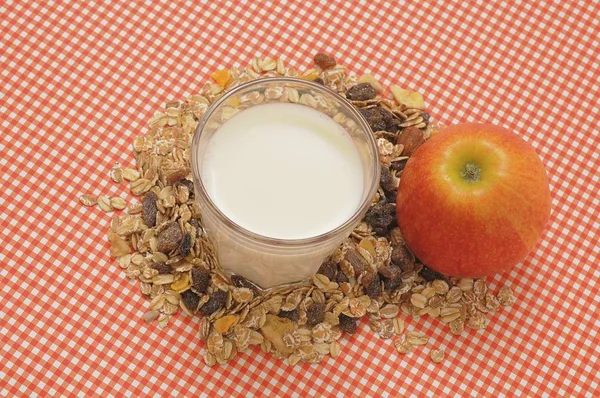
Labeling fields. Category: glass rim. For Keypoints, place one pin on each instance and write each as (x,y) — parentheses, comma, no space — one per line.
(313,240)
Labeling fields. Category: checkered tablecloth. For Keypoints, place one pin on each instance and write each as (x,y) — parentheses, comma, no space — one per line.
(79,79)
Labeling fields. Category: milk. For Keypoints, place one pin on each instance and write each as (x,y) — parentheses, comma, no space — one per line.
(284,171)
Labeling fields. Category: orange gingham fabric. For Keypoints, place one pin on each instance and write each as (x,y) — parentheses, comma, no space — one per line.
(80,79)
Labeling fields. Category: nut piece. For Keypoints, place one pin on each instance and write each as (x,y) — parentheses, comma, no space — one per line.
(408,98)
(411,138)
(274,329)
(324,61)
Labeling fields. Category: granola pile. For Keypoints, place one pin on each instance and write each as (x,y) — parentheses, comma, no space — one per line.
(161,242)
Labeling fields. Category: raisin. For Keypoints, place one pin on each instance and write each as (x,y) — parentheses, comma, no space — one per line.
(185,245)
(341,277)
(170,238)
(426,117)
(378,118)
(371,284)
(391,284)
(329,269)
(200,280)
(240,281)
(324,61)
(162,268)
(381,216)
(291,315)
(403,258)
(391,271)
(387,179)
(149,209)
(189,184)
(215,303)
(399,165)
(357,261)
(315,314)
(361,92)
(347,324)
(318,80)
(190,300)
(430,275)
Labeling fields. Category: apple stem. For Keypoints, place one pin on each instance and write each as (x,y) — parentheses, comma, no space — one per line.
(471,172)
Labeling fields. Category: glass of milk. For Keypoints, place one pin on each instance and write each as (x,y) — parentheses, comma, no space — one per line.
(284,169)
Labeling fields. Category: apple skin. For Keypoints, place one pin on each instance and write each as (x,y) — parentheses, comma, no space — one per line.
(464,224)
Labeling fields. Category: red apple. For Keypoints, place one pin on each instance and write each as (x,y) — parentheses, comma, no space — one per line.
(473,200)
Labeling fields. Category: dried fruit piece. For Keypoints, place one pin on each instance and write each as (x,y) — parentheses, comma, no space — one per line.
(347,324)
(214,303)
(403,258)
(240,281)
(190,300)
(430,275)
(182,283)
(371,284)
(149,209)
(387,180)
(315,314)
(361,92)
(291,315)
(222,325)
(411,138)
(380,119)
(221,77)
(329,269)
(381,216)
(408,98)
(324,61)
(367,78)
(185,245)
(170,238)
(162,268)
(357,262)
(200,280)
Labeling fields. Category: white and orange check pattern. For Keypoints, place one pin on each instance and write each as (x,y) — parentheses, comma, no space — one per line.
(79,79)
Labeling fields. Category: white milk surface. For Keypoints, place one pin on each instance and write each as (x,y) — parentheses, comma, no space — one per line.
(283,171)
